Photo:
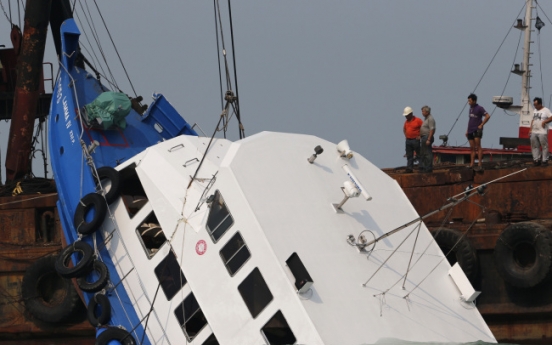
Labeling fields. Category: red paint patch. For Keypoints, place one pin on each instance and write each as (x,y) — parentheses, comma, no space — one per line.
(201,247)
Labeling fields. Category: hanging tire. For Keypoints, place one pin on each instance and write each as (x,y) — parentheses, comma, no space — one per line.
(463,252)
(103,276)
(115,333)
(86,204)
(47,295)
(82,267)
(105,310)
(523,254)
(109,173)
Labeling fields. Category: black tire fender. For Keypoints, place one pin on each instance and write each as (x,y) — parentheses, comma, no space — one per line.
(86,204)
(105,310)
(523,254)
(109,173)
(47,295)
(463,252)
(83,266)
(97,284)
(115,333)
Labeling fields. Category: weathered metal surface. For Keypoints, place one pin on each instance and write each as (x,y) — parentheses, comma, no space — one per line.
(6,105)
(515,315)
(37,14)
(18,227)
(14,319)
(30,229)
(516,198)
(14,259)
(533,332)
(438,178)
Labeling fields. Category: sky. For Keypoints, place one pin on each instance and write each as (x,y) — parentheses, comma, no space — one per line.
(334,69)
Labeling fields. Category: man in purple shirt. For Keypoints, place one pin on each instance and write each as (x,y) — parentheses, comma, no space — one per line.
(478,118)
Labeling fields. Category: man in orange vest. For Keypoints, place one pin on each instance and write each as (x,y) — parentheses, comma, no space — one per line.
(411,130)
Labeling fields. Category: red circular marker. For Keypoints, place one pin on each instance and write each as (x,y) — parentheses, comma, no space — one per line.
(201,247)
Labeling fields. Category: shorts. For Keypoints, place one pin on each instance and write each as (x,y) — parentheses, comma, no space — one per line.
(477,134)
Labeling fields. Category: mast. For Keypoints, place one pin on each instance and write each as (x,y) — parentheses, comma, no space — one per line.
(29,68)
(526,111)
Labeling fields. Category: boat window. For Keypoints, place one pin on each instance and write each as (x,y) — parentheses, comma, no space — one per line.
(277,332)
(151,235)
(132,192)
(255,292)
(212,340)
(219,219)
(170,275)
(234,254)
(190,317)
(303,280)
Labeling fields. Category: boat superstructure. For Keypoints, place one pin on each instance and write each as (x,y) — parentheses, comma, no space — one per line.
(180,238)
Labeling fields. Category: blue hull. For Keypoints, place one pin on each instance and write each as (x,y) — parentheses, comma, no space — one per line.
(72,167)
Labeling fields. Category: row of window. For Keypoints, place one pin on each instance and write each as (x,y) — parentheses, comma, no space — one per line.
(253,289)
(234,255)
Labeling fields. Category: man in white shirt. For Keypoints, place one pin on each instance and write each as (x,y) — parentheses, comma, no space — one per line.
(539,132)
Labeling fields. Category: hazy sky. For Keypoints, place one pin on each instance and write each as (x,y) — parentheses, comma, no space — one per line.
(334,69)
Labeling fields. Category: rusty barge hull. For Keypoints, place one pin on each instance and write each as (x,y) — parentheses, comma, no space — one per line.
(515,315)
(29,230)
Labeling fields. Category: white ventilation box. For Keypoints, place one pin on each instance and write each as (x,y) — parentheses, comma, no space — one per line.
(468,293)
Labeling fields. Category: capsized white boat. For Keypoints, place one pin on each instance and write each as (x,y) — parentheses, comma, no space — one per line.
(178,239)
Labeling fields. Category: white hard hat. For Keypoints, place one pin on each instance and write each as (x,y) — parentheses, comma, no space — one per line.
(407,111)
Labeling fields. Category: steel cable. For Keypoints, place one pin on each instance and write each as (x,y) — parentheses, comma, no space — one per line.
(485,72)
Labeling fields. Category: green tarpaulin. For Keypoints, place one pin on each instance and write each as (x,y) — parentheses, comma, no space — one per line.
(108,110)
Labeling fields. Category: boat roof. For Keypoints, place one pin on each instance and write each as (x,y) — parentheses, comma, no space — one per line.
(282,206)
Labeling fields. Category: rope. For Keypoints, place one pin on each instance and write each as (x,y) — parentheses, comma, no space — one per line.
(423,252)
(26,186)
(20,201)
(510,74)
(446,255)
(229,100)
(235,107)
(87,157)
(5,14)
(92,27)
(19,12)
(466,195)
(149,313)
(539,6)
(485,72)
(218,55)
(538,36)
(227,73)
(540,63)
(540,56)
(39,133)
(116,50)
(389,257)
(412,253)
(238,116)
(92,52)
